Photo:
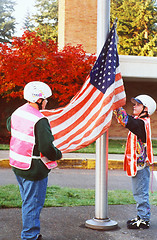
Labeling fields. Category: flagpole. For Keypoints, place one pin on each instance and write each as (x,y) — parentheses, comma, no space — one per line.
(101,220)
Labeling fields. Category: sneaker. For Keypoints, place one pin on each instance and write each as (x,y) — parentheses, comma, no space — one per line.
(133,220)
(137,223)
(39,237)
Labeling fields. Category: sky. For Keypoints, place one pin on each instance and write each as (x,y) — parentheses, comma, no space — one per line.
(21,9)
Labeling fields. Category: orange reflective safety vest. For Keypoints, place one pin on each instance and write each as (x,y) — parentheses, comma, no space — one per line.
(130,159)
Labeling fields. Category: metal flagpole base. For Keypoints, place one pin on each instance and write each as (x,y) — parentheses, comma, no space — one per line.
(101,224)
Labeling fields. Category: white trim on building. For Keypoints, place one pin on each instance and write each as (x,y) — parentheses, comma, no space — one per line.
(138,67)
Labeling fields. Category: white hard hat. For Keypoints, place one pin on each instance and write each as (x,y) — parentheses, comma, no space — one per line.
(147,101)
(35,90)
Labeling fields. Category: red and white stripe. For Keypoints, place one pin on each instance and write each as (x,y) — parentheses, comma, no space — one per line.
(87,116)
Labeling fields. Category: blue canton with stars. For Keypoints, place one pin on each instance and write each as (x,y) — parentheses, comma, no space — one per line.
(103,73)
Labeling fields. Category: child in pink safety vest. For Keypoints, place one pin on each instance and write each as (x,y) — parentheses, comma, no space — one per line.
(32,155)
(139,155)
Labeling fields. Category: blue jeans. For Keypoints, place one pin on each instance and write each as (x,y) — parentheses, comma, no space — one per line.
(33,195)
(140,188)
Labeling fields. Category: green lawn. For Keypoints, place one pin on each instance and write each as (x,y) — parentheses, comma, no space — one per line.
(63,197)
(115,147)
(57,196)
(4,147)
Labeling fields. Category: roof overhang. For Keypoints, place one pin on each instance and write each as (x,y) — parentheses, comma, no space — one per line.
(139,68)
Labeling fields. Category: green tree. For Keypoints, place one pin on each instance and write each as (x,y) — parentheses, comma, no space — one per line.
(46,19)
(28,24)
(136,27)
(7,21)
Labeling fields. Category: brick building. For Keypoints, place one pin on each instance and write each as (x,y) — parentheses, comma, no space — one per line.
(78,25)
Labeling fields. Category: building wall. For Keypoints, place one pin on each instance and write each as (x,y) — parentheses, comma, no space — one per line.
(134,89)
(77,24)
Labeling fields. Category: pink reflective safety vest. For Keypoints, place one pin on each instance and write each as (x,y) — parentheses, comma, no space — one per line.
(22,140)
(130,160)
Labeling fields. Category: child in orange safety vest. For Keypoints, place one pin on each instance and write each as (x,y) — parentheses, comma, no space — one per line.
(138,155)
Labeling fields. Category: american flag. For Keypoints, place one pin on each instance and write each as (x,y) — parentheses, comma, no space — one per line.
(88,115)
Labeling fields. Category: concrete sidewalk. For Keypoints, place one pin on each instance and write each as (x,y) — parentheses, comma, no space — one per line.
(78,160)
(74,160)
(68,223)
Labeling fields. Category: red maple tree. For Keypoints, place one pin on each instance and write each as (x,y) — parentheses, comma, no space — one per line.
(28,58)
